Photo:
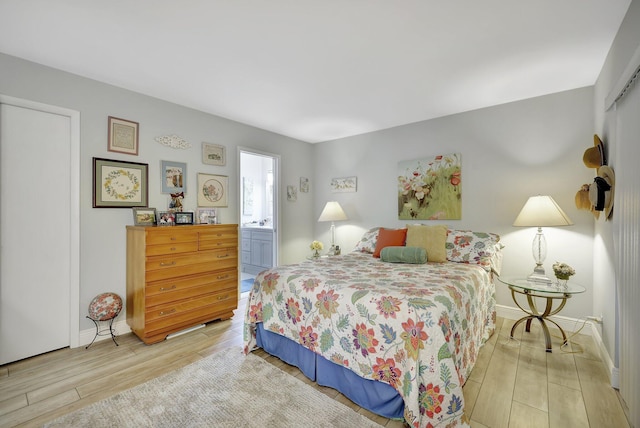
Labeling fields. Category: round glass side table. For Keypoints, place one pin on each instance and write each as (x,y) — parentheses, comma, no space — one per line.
(553,294)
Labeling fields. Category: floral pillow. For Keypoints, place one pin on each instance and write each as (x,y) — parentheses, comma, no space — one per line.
(466,246)
(367,243)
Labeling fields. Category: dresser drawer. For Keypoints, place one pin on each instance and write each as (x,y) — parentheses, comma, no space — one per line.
(190,311)
(170,235)
(222,258)
(220,237)
(173,248)
(160,292)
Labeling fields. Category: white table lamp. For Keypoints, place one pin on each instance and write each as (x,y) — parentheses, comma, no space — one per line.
(332,212)
(541,211)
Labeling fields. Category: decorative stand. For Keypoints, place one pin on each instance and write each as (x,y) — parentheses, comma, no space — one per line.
(103,309)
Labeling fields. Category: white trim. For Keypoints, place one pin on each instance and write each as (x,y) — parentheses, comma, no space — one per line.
(276,196)
(630,70)
(74,239)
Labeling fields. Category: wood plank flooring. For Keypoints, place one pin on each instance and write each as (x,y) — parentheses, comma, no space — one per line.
(515,382)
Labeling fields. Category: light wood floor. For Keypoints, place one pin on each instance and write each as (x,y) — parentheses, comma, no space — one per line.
(514,384)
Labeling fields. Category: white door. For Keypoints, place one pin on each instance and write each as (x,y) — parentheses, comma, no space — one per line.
(36,232)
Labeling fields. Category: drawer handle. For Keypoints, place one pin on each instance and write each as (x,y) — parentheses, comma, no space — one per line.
(225,297)
(163,313)
(223,276)
(222,257)
(168,264)
(219,234)
(173,248)
(173,287)
(173,238)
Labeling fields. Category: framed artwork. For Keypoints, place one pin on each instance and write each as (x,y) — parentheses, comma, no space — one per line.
(123,136)
(292,193)
(185,217)
(247,196)
(174,176)
(144,216)
(206,215)
(304,185)
(165,218)
(430,188)
(344,184)
(119,184)
(212,190)
(214,154)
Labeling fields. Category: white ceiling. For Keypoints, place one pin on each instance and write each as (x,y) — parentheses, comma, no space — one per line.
(318,70)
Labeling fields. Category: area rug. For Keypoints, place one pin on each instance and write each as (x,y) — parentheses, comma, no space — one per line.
(226,389)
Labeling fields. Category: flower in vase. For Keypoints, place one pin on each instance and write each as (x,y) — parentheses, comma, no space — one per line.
(563,270)
(316,246)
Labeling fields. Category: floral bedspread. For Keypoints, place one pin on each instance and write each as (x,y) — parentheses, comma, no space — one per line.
(416,327)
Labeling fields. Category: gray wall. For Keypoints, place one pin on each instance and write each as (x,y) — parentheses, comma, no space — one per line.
(509,152)
(625,44)
(102,231)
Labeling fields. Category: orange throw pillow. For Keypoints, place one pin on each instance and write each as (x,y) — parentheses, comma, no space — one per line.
(389,238)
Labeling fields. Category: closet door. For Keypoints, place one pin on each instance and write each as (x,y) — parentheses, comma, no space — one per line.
(35,232)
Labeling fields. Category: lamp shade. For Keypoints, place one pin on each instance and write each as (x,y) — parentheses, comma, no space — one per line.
(332,212)
(542,211)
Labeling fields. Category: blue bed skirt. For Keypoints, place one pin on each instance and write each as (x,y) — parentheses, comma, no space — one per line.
(377,397)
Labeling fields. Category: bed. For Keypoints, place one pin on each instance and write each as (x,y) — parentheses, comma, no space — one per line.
(399,339)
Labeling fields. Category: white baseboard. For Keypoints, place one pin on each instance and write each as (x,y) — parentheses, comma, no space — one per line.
(86,336)
(571,325)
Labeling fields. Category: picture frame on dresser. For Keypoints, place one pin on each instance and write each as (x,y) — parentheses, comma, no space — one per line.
(120,184)
(206,215)
(165,218)
(144,216)
(184,218)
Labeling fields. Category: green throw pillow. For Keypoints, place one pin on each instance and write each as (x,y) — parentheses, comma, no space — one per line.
(414,255)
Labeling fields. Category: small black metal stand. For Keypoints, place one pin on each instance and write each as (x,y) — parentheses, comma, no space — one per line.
(104,331)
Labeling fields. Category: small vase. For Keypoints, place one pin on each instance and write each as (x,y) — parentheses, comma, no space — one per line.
(316,254)
(562,282)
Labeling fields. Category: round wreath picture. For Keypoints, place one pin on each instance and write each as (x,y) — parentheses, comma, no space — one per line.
(212,190)
(121,185)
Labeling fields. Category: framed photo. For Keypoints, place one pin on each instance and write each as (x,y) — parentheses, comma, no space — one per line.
(144,216)
(344,184)
(206,215)
(165,218)
(174,176)
(304,185)
(214,154)
(292,193)
(123,136)
(119,184)
(184,217)
(212,190)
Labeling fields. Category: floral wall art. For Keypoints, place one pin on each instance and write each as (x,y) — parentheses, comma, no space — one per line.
(430,189)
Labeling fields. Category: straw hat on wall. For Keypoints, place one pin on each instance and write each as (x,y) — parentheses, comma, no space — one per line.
(601,191)
(594,157)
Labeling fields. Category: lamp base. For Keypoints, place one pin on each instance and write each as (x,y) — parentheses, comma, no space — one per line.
(539,276)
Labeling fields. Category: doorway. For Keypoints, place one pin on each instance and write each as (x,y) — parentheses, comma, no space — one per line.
(258,213)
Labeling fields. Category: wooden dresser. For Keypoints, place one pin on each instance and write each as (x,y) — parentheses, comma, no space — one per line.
(179,277)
